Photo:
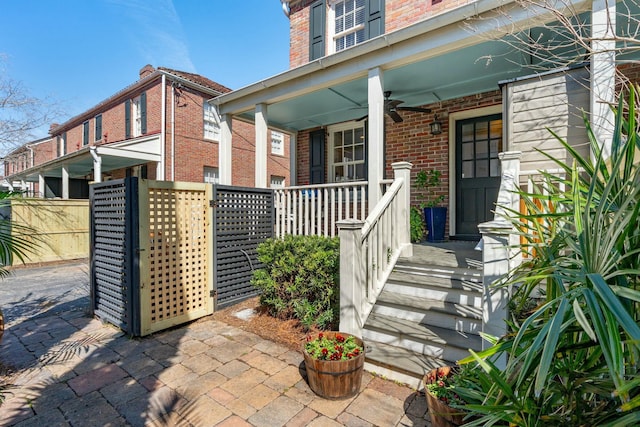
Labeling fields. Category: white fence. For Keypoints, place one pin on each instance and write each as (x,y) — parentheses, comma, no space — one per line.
(315,209)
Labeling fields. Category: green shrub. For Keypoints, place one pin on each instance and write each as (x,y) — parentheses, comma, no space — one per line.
(300,279)
(417,225)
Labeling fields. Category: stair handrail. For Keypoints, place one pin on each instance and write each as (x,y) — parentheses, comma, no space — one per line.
(369,250)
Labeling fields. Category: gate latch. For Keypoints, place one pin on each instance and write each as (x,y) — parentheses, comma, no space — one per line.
(213,203)
(213,293)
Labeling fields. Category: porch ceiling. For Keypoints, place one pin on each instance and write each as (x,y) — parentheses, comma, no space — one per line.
(467,71)
(439,64)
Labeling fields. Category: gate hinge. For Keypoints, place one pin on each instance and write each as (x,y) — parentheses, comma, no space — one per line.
(213,293)
(213,203)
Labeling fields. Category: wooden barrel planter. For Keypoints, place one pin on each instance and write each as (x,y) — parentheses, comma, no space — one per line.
(441,414)
(335,379)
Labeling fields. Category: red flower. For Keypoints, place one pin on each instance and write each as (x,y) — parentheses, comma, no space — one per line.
(320,335)
(339,338)
(325,351)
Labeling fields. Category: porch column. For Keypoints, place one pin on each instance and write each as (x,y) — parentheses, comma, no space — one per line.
(375,136)
(352,277)
(293,158)
(97,164)
(402,170)
(495,258)
(225,161)
(41,186)
(65,182)
(603,70)
(261,146)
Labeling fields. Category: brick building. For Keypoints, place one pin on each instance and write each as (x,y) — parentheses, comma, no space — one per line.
(437,83)
(160,127)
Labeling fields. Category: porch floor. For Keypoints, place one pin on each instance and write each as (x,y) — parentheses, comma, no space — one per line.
(447,254)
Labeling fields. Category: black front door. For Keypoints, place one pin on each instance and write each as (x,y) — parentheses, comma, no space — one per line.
(478,142)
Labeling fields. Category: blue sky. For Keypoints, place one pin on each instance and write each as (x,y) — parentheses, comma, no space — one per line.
(80,52)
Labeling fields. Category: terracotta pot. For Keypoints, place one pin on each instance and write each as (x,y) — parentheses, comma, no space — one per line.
(335,379)
(442,415)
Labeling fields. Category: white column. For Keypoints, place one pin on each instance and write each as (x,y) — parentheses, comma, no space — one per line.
(65,182)
(225,164)
(603,70)
(293,158)
(376,136)
(97,165)
(352,280)
(261,146)
(402,170)
(41,186)
(495,259)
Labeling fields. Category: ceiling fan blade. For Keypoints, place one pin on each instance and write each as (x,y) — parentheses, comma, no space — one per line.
(415,109)
(394,116)
(391,104)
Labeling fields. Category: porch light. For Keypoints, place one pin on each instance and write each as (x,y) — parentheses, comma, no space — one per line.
(436,126)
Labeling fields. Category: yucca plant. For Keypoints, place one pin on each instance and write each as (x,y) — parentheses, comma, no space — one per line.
(574,359)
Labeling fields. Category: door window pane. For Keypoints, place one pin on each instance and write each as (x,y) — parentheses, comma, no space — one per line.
(467,132)
(482,168)
(467,169)
(467,151)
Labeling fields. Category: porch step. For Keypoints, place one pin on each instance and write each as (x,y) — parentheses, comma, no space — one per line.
(412,347)
(460,286)
(428,314)
(456,317)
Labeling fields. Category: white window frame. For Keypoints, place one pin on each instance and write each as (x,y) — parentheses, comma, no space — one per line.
(342,127)
(333,36)
(211,120)
(277,143)
(211,175)
(277,181)
(136,116)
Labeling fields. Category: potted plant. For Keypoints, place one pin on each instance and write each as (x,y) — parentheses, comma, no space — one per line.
(334,362)
(435,216)
(443,399)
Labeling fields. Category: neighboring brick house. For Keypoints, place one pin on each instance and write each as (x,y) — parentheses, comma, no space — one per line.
(372,82)
(160,127)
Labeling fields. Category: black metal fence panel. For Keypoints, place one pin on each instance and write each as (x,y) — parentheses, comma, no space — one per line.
(243,218)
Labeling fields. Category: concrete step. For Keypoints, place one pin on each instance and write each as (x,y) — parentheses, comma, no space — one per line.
(430,341)
(461,318)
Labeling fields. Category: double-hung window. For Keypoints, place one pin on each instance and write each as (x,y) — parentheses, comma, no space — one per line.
(348,23)
(85,133)
(211,122)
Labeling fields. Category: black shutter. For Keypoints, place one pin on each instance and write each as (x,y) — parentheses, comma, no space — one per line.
(58,147)
(316,157)
(64,143)
(98,127)
(375,18)
(127,119)
(317,28)
(143,113)
(85,133)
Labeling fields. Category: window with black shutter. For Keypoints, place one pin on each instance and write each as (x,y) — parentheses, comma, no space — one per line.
(127,119)
(98,129)
(85,133)
(317,29)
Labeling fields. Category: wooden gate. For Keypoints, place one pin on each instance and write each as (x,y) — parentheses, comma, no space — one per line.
(176,282)
(243,218)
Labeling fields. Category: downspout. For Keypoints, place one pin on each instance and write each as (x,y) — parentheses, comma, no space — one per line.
(97,164)
(173,131)
(163,132)
(33,163)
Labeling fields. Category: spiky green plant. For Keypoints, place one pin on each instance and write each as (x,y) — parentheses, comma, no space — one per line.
(574,360)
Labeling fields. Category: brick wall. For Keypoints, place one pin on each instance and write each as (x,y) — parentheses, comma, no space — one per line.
(398,14)
(411,140)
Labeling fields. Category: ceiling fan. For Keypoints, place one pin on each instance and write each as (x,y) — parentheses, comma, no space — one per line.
(391,108)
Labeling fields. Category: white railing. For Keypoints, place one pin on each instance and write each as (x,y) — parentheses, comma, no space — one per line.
(316,209)
(369,250)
